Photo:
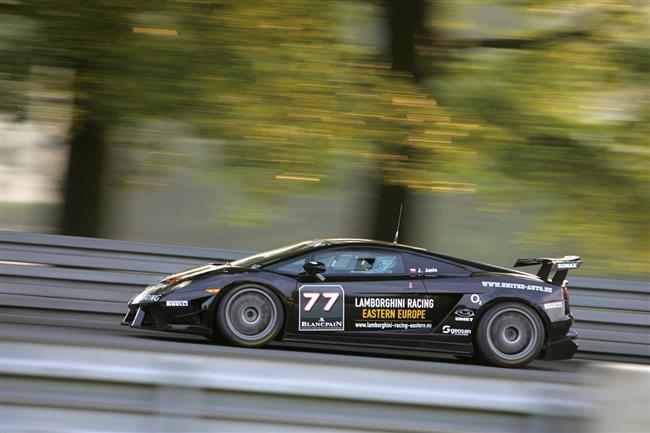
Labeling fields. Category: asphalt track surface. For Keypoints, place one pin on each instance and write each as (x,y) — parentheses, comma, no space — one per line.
(105,331)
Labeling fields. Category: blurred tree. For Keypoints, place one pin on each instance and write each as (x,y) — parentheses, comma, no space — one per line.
(406,21)
(548,94)
(560,92)
(314,102)
(131,60)
(292,99)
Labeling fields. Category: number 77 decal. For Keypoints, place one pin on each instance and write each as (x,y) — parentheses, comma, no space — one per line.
(321,307)
(313,297)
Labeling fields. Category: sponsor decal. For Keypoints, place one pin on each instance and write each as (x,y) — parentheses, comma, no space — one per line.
(464,315)
(393,312)
(464,312)
(505,285)
(567,265)
(476,299)
(149,294)
(321,325)
(456,331)
(176,303)
(390,325)
(386,313)
(321,307)
(146,298)
(394,302)
(553,305)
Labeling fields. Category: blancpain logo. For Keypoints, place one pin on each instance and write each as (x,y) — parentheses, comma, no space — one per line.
(336,324)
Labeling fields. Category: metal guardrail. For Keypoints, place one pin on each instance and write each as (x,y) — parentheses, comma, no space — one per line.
(66,273)
(612,317)
(60,379)
(86,274)
(49,387)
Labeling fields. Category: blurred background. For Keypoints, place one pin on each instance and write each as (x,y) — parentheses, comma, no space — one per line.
(508,128)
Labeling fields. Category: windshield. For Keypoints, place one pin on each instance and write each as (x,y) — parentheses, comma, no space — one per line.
(272,256)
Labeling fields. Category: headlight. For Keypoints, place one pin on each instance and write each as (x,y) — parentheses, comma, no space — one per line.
(180,285)
(156,291)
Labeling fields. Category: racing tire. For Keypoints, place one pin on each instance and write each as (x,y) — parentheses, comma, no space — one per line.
(250,315)
(510,334)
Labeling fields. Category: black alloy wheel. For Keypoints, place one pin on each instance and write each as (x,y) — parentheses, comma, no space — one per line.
(250,316)
(510,334)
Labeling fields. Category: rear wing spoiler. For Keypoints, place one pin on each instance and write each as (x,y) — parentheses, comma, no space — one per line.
(561,266)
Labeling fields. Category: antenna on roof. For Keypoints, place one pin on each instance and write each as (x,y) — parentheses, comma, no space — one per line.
(399,220)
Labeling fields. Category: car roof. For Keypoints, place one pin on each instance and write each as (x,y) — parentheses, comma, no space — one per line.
(323,243)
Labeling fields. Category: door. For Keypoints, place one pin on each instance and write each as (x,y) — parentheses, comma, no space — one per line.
(447,284)
(380,298)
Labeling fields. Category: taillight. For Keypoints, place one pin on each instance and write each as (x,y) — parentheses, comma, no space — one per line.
(565,295)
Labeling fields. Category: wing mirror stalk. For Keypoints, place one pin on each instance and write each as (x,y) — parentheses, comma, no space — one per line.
(315,269)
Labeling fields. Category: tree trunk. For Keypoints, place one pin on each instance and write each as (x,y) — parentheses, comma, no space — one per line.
(86,160)
(405,21)
(389,198)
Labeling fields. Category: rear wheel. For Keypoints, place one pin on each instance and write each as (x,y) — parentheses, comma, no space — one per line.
(250,315)
(510,335)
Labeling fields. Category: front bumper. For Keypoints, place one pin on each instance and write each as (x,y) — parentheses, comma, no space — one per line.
(156,316)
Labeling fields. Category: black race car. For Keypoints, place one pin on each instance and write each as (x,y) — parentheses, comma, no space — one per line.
(362,293)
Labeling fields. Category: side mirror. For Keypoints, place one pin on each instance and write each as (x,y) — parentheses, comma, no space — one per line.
(316,269)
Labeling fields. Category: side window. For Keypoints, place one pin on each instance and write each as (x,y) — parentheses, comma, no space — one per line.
(429,266)
(361,262)
(292,267)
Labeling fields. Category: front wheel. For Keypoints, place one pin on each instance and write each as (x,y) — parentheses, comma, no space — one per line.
(510,335)
(250,315)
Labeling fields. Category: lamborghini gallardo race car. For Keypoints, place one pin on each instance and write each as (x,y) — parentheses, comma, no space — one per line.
(353,293)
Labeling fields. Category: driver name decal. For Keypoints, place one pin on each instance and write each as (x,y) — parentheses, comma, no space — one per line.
(321,307)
